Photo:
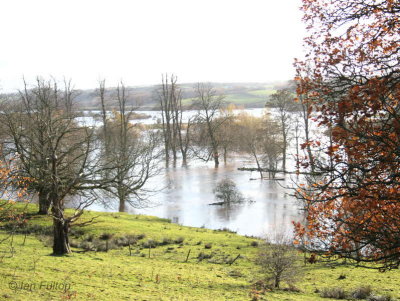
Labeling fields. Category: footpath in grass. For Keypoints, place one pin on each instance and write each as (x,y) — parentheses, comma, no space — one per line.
(135,257)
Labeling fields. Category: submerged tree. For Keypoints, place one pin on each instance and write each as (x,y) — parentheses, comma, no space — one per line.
(351,80)
(227,191)
(131,155)
(283,102)
(251,138)
(208,122)
(176,132)
(273,144)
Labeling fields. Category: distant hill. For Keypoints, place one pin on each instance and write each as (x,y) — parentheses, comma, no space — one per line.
(248,95)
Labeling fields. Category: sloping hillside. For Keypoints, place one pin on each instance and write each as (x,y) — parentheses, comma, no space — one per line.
(249,95)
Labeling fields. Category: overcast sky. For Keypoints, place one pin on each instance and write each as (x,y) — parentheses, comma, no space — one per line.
(137,40)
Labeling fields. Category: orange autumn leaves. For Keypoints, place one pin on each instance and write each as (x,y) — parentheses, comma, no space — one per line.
(351,78)
(13,188)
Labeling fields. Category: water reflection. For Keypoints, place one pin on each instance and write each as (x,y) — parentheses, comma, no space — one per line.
(189,191)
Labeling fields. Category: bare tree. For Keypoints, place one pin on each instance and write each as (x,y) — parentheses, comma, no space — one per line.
(283,101)
(176,133)
(101,93)
(273,145)
(227,134)
(306,109)
(209,104)
(261,138)
(181,130)
(56,152)
(252,138)
(279,260)
(132,155)
(297,126)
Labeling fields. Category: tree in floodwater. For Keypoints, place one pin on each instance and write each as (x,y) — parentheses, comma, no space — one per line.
(176,132)
(273,145)
(283,102)
(251,138)
(227,134)
(227,191)
(208,122)
(131,154)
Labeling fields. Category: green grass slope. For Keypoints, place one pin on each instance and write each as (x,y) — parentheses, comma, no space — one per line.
(184,263)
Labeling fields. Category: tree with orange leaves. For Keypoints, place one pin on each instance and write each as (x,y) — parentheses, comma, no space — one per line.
(351,78)
(13,188)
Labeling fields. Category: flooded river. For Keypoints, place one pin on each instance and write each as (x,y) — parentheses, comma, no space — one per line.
(186,192)
(184,195)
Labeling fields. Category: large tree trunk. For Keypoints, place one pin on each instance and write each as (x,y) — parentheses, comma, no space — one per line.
(184,158)
(121,206)
(216,159)
(44,203)
(258,166)
(61,242)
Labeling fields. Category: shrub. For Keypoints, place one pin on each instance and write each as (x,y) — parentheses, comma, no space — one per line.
(292,288)
(333,292)
(150,244)
(179,240)
(254,243)
(77,232)
(227,192)
(202,256)
(379,298)
(279,261)
(361,292)
(208,246)
(166,241)
(140,236)
(106,236)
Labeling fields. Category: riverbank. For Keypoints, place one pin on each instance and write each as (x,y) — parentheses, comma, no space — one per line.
(150,258)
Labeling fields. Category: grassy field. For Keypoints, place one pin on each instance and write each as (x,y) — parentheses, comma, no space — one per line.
(253,98)
(183,263)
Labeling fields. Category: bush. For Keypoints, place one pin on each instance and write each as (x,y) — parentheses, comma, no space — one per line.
(141,236)
(254,243)
(179,240)
(208,246)
(279,261)
(166,241)
(362,292)
(333,292)
(106,236)
(379,298)
(202,256)
(150,244)
(227,192)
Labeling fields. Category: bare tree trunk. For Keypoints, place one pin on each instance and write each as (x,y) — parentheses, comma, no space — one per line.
(121,205)
(103,112)
(60,235)
(216,159)
(184,159)
(225,154)
(209,104)
(258,164)
(284,147)
(44,202)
